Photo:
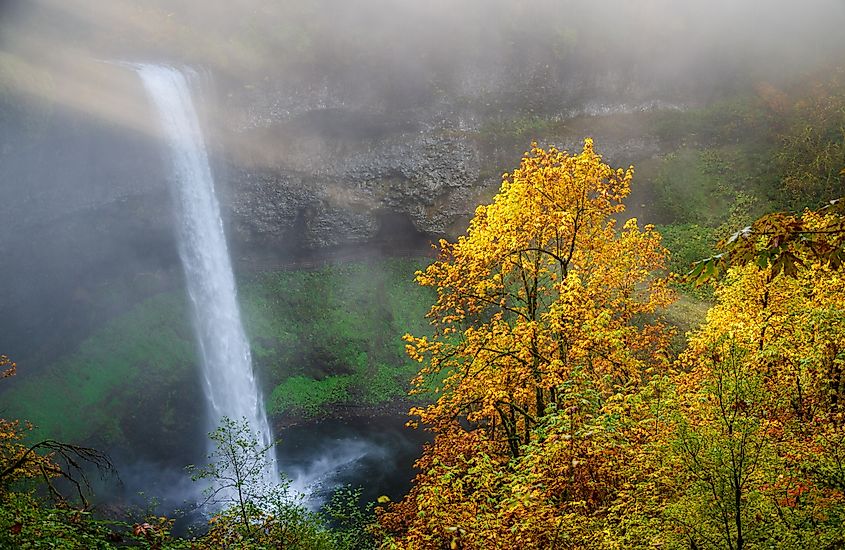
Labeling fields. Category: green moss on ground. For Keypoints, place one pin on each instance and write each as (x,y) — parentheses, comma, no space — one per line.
(319,337)
(89,391)
(333,335)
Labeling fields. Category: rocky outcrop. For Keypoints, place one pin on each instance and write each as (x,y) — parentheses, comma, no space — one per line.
(319,165)
(333,200)
(304,162)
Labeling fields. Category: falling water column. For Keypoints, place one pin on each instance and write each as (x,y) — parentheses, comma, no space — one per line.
(230,384)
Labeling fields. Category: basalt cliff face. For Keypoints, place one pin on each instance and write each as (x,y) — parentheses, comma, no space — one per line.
(331,124)
(306,163)
(311,165)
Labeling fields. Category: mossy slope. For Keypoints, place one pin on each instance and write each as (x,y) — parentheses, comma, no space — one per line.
(319,337)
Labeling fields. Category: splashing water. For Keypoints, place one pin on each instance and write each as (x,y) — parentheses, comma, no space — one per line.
(230,384)
(316,479)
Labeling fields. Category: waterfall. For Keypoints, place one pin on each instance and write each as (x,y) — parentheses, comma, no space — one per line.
(230,384)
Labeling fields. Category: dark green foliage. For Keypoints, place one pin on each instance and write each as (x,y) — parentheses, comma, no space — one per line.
(710,187)
(147,351)
(811,152)
(318,337)
(27,522)
(350,523)
(768,149)
(255,515)
(724,122)
(252,514)
(687,243)
(334,334)
(236,467)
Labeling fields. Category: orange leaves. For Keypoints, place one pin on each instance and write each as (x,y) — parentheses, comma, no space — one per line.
(784,242)
(559,419)
(758,436)
(544,310)
(16,462)
(7,367)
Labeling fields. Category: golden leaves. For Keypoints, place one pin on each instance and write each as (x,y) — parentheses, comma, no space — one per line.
(8,367)
(535,316)
(784,242)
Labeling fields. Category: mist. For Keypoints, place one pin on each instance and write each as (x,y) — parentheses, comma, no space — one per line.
(338,131)
(398,53)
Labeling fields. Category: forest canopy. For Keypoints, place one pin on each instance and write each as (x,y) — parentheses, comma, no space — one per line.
(560,416)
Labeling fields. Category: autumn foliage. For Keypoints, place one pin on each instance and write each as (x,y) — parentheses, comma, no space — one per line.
(560,416)
(560,419)
(17,461)
(545,317)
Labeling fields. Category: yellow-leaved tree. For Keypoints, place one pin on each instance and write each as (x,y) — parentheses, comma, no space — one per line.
(546,315)
(751,453)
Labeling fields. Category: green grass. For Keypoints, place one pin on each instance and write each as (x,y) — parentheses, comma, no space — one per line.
(720,170)
(522,127)
(711,187)
(686,314)
(687,243)
(339,328)
(740,118)
(318,337)
(87,393)
(300,393)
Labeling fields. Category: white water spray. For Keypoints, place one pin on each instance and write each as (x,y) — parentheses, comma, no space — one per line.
(230,384)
